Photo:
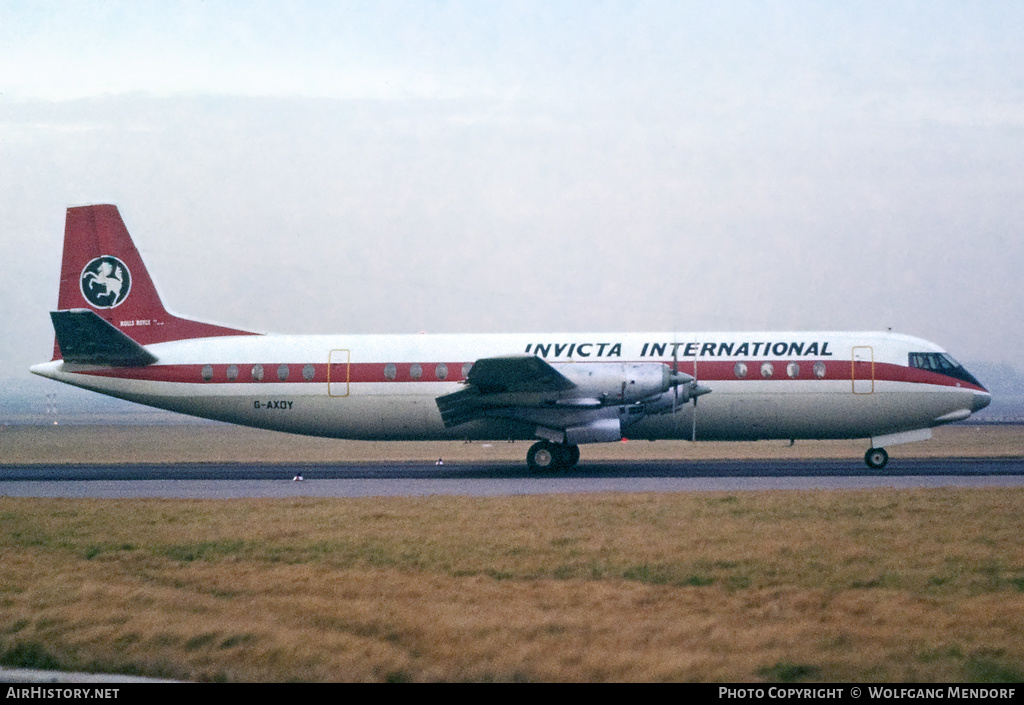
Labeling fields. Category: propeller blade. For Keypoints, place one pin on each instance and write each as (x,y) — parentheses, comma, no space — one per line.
(674,379)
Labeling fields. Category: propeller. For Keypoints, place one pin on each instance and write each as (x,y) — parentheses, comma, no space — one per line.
(693,389)
(675,371)
(676,380)
(693,428)
(696,390)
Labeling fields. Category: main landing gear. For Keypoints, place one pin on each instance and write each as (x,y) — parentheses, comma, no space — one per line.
(876,458)
(546,456)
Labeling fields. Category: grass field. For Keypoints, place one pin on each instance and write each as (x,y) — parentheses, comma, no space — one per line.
(881,585)
(924,585)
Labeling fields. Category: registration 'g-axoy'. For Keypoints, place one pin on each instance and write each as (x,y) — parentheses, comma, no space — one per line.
(114,336)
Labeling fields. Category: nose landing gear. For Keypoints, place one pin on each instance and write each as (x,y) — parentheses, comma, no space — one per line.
(876,458)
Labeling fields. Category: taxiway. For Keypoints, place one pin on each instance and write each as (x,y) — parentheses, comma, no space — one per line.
(236,480)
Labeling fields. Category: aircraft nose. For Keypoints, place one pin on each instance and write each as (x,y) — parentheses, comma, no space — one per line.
(980,401)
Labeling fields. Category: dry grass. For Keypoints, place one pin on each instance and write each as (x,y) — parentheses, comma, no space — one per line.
(223,443)
(923,585)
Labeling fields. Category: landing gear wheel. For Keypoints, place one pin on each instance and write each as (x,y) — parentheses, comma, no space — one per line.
(876,458)
(544,456)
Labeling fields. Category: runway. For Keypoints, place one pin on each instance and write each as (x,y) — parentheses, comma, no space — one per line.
(383,479)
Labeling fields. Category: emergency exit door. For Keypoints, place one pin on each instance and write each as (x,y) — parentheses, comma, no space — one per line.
(338,373)
(863,370)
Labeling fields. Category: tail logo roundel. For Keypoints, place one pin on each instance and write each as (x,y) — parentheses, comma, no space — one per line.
(106,282)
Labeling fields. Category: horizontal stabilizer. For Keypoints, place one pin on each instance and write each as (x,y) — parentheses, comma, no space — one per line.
(86,338)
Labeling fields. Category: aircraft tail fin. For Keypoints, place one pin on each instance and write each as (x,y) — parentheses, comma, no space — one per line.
(102,272)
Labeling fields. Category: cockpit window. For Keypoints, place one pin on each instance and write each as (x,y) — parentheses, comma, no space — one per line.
(936,362)
(943,364)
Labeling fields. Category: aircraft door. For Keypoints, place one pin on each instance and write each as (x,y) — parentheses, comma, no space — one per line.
(863,369)
(338,373)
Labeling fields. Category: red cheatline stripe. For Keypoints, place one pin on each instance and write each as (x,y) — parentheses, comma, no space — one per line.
(362,372)
(357,372)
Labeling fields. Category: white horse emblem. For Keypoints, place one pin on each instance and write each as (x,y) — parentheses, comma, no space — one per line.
(105,282)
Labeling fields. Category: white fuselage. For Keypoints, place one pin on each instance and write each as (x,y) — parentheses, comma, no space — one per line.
(383,387)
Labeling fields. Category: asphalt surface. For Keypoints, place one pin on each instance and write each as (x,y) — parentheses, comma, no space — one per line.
(510,470)
(229,480)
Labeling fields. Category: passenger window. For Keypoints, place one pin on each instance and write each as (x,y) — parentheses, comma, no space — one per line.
(793,370)
(308,373)
(232,373)
(207,372)
(390,371)
(465,369)
(740,369)
(257,373)
(415,370)
(282,373)
(441,370)
(819,369)
(767,370)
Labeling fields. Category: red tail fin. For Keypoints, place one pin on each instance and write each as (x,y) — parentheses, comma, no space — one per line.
(103,272)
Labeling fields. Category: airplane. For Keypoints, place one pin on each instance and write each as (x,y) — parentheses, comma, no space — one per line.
(114,336)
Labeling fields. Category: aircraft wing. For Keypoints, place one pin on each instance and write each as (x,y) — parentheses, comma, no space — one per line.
(495,382)
(516,373)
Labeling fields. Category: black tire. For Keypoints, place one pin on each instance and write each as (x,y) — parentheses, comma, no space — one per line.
(572,456)
(544,457)
(876,458)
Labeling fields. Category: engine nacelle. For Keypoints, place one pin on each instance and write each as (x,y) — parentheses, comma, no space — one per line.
(619,383)
(665,403)
(599,431)
(672,400)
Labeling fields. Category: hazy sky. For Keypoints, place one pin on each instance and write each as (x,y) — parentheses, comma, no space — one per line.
(517,166)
